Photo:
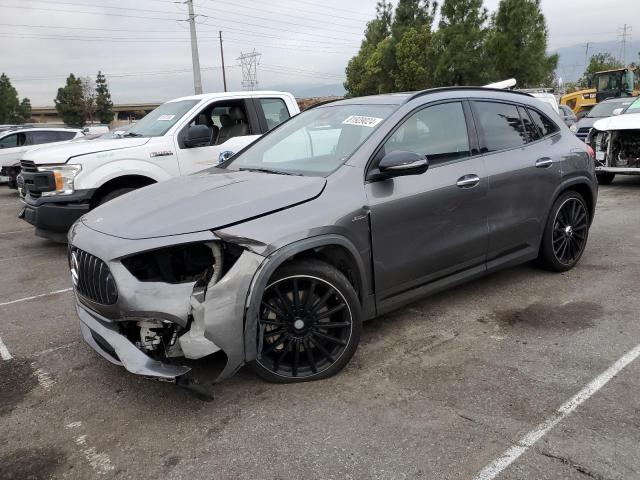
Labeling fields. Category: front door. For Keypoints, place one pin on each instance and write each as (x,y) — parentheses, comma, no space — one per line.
(428,227)
(232,124)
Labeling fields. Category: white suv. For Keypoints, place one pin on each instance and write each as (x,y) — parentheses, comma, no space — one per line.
(17,140)
(60,183)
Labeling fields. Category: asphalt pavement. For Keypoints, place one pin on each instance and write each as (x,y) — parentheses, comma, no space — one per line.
(523,374)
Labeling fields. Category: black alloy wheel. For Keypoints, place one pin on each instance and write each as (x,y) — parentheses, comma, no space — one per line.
(309,324)
(566,233)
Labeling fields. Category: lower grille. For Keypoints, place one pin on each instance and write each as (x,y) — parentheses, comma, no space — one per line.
(92,277)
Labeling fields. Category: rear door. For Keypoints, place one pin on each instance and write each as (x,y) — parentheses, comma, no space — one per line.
(523,170)
(431,226)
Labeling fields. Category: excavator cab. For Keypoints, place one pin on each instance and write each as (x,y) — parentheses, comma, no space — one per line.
(614,84)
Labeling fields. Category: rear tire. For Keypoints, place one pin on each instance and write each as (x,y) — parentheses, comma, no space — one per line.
(605,178)
(309,325)
(114,194)
(565,234)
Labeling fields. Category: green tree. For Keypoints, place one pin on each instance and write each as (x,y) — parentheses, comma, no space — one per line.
(25,109)
(69,102)
(461,43)
(11,109)
(415,55)
(375,69)
(517,44)
(360,76)
(104,105)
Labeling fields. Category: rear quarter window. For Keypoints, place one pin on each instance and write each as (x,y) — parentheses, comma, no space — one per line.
(544,123)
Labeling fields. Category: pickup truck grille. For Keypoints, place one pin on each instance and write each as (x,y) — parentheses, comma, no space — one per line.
(28,166)
(29,173)
(92,278)
(583,132)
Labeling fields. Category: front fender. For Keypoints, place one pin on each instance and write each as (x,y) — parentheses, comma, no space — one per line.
(277,258)
(100,175)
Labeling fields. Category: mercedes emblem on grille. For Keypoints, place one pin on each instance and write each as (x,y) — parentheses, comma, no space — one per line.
(75,270)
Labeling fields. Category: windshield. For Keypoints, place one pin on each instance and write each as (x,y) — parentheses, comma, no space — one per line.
(315,142)
(160,120)
(634,107)
(606,109)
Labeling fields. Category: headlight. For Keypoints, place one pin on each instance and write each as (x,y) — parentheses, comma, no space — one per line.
(573,128)
(63,175)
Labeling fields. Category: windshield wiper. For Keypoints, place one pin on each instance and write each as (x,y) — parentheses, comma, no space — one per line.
(268,170)
(132,134)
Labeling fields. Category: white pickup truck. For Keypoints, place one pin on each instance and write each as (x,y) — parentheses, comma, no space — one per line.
(60,183)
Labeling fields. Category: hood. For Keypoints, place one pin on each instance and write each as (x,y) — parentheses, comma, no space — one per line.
(586,122)
(627,121)
(204,201)
(62,152)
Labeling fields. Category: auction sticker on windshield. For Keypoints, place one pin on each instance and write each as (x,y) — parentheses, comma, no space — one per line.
(166,118)
(362,121)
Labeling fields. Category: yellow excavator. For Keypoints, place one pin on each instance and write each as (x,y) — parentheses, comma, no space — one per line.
(606,84)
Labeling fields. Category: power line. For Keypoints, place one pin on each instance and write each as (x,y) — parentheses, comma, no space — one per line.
(174,19)
(248,33)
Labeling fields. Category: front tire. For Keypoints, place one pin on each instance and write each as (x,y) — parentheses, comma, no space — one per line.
(309,325)
(113,194)
(605,178)
(565,234)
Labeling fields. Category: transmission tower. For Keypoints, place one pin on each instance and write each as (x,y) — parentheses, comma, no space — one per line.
(249,63)
(625,36)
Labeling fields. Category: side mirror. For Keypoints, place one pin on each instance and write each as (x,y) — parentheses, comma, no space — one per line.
(401,163)
(197,136)
(617,111)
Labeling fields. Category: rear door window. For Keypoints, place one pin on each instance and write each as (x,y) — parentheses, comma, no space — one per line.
(275,111)
(439,132)
(544,123)
(38,138)
(501,125)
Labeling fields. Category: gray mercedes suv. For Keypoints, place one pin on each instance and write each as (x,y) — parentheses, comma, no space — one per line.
(346,211)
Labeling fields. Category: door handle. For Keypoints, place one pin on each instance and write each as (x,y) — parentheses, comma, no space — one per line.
(468,181)
(544,162)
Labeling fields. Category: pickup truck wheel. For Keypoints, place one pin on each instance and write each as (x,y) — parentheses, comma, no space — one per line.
(309,325)
(605,178)
(566,232)
(113,194)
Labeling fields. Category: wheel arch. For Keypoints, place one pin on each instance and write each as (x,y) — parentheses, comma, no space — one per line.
(336,250)
(123,181)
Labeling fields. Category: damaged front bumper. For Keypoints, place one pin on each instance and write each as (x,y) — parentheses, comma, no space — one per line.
(201,318)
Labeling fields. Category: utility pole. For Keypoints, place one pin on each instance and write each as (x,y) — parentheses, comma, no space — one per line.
(224,76)
(586,56)
(195,58)
(625,33)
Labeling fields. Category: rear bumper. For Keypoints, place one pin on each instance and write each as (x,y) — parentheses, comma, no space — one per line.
(620,170)
(53,216)
(103,336)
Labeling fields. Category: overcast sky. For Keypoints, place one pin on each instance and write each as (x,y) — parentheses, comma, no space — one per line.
(144,49)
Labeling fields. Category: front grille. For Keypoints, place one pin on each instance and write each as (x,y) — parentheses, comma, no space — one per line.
(92,278)
(28,166)
(583,132)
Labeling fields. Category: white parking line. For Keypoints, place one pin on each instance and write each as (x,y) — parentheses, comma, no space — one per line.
(21,257)
(4,351)
(55,292)
(100,462)
(17,231)
(494,469)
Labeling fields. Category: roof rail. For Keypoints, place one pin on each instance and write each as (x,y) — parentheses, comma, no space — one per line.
(449,89)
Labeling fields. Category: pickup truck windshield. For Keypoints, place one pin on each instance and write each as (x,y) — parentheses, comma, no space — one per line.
(157,122)
(315,142)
